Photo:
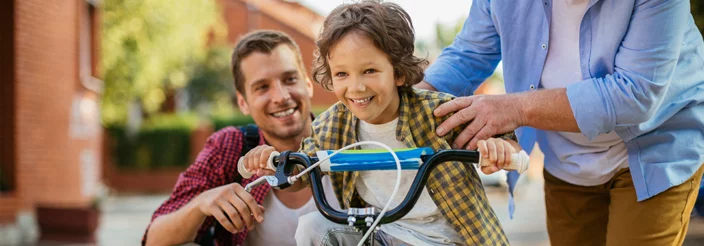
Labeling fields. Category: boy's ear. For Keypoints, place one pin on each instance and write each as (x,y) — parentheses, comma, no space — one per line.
(401,81)
(242,103)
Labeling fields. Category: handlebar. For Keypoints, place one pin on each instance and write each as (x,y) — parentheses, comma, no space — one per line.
(285,162)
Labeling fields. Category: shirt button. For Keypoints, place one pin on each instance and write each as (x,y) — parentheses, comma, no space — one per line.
(532,87)
(544,46)
(546,3)
(429,219)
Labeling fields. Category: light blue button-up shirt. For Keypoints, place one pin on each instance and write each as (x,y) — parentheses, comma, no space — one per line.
(642,65)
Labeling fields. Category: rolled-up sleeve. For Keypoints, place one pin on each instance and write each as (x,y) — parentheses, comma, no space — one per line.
(472,56)
(644,65)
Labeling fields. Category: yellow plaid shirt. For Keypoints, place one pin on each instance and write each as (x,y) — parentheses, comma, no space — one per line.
(454,187)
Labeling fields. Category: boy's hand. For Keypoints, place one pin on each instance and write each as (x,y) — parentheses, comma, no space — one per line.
(496,153)
(255,160)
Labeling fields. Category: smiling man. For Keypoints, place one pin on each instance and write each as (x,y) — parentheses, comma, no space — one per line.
(208,204)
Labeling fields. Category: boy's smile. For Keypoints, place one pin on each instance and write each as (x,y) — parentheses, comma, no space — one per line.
(363,78)
(361,102)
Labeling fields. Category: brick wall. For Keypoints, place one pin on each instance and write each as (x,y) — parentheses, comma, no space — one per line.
(7,110)
(235,15)
(49,169)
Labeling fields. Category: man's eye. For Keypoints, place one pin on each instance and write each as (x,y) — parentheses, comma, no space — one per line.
(292,79)
(369,71)
(259,88)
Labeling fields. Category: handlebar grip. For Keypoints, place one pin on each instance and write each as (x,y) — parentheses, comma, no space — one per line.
(247,173)
(519,162)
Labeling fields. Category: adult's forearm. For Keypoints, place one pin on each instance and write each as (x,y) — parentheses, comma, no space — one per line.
(178,227)
(547,110)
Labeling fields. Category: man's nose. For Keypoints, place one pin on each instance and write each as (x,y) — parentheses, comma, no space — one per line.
(280,93)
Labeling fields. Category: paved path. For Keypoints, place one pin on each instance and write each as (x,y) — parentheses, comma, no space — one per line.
(126,217)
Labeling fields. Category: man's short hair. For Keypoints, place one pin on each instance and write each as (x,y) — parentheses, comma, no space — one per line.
(263,41)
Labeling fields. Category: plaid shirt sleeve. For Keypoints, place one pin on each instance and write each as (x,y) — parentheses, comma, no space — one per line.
(213,167)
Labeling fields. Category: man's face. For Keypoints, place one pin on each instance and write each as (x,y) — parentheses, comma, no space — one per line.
(277,93)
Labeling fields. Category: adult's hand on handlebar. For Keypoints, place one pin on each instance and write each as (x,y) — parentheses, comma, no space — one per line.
(487,115)
(232,206)
(256,160)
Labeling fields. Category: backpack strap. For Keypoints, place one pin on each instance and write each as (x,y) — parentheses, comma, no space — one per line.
(250,138)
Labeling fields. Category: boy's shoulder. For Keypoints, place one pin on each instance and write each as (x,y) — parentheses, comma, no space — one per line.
(334,113)
(427,98)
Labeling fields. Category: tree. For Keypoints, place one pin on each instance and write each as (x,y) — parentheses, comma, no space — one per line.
(210,89)
(147,46)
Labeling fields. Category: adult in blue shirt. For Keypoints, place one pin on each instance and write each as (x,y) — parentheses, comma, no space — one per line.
(613,92)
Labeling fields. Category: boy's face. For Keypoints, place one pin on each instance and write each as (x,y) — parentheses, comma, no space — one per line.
(363,79)
(277,93)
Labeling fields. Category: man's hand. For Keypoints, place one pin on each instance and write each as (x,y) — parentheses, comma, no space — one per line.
(488,115)
(232,206)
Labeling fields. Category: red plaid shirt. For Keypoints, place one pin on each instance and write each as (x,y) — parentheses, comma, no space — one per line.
(216,165)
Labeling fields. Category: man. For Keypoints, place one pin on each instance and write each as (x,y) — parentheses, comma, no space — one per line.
(614,89)
(208,203)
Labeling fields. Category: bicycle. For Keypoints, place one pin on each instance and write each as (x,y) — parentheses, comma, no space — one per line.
(364,219)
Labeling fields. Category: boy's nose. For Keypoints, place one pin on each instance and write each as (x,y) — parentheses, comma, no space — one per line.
(358,85)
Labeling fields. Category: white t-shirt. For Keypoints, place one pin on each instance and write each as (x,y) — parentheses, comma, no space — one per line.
(571,156)
(280,222)
(424,224)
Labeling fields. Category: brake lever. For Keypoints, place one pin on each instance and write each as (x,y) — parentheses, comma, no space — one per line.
(271,180)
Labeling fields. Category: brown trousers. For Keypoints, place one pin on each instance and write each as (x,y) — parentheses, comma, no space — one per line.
(609,214)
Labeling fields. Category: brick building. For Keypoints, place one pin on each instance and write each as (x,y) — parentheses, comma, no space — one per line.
(49,133)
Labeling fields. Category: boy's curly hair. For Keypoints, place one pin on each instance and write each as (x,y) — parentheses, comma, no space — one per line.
(386,24)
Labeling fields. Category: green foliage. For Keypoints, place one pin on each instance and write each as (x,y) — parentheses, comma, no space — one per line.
(147,46)
(211,89)
(163,141)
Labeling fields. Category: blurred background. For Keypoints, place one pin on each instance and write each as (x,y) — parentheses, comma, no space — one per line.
(104,102)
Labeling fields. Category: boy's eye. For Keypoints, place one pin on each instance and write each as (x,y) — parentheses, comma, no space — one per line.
(340,74)
(292,79)
(258,88)
(369,71)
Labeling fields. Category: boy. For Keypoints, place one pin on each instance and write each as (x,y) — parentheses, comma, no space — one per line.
(365,56)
